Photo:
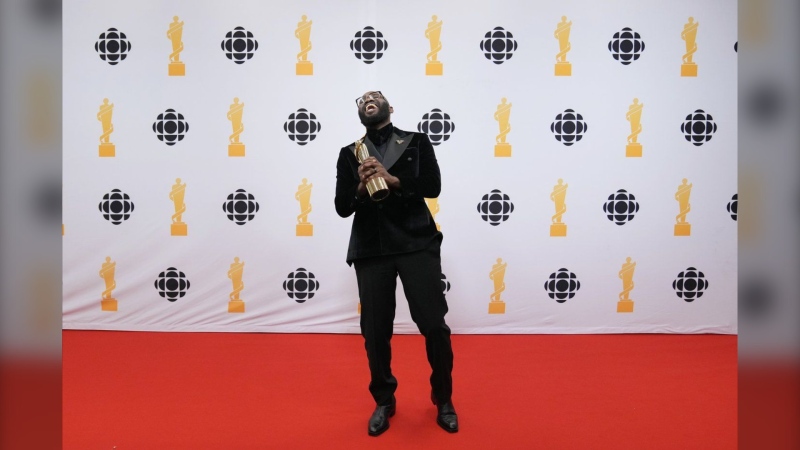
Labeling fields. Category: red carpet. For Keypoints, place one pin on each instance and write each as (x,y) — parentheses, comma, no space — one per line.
(263,391)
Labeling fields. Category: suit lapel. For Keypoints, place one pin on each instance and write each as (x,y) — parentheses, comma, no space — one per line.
(395,149)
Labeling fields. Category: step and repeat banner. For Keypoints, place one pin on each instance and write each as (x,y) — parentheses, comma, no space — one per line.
(587,151)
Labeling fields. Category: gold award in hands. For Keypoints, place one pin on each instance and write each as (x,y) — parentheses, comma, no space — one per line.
(376,186)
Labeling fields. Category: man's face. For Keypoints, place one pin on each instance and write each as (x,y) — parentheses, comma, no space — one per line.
(374,109)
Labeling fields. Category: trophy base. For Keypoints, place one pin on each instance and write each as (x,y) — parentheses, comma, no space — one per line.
(236,306)
(62,229)
(689,70)
(558,230)
(235,150)
(304,229)
(177,69)
(502,150)
(108,150)
(359,308)
(497,307)
(304,68)
(179,229)
(625,306)
(633,150)
(563,69)
(438,227)
(683,229)
(108,304)
(434,68)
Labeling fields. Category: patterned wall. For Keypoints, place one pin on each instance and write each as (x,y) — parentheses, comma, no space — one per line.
(587,150)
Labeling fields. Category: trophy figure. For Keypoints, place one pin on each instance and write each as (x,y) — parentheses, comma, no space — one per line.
(563,67)
(376,186)
(303,33)
(174,34)
(177,193)
(235,304)
(236,148)
(682,227)
(108,303)
(689,34)
(433,33)
(501,148)
(625,304)
(557,228)
(107,149)
(433,206)
(303,195)
(634,116)
(498,273)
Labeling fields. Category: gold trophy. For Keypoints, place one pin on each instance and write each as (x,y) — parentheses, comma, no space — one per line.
(501,148)
(563,67)
(177,194)
(689,34)
(434,33)
(498,273)
(107,149)
(376,186)
(433,206)
(235,304)
(236,148)
(558,228)
(682,227)
(625,304)
(174,34)
(108,303)
(634,116)
(303,195)
(303,33)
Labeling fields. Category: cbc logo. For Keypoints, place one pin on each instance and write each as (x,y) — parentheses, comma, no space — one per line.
(302,126)
(698,127)
(621,207)
(562,285)
(437,125)
(498,45)
(368,45)
(626,46)
(112,46)
(300,285)
(239,45)
(569,127)
(170,127)
(690,284)
(240,207)
(495,207)
(733,207)
(116,207)
(172,284)
(445,285)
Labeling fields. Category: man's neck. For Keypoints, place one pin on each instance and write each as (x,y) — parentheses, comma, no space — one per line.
(380,125)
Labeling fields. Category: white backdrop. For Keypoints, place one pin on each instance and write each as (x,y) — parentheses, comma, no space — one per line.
(600,88)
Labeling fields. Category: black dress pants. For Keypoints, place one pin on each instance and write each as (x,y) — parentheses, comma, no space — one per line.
(420,274)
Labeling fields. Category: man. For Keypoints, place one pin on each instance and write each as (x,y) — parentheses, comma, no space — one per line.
(391,237)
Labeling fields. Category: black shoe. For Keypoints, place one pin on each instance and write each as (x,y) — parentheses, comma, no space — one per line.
(379,422)
(447,418)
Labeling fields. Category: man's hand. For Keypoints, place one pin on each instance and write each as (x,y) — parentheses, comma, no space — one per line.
(371,168)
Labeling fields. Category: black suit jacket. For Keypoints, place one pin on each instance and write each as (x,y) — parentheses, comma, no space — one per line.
(400,223)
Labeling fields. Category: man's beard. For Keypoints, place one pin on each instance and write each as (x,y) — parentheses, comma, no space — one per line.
(380,116)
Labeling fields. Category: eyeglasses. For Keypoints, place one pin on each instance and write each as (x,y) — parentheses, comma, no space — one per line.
(372,96)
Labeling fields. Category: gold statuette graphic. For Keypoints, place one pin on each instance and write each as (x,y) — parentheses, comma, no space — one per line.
(235,304)
(625,304)
(177,194)
(501,148)
(174,34)
(236,148)
(563,67)
(108,303)
(434,33)
(682,227)
(376,186)
(303,33)
(559,194)
(433,206)
(689,34)
(498,273)
(303,195)
(107,149)
(634,116)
